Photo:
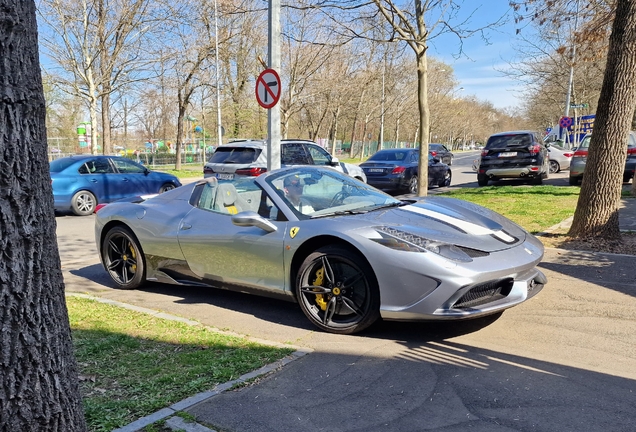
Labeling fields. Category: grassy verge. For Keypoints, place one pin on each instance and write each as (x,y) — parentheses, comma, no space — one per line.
(535,208)
(133,364)
(189,171)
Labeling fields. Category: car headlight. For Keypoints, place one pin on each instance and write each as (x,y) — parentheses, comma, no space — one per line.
(400,240)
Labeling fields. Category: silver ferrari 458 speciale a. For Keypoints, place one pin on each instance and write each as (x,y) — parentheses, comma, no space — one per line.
(345,251)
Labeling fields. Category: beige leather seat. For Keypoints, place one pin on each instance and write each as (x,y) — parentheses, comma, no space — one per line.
(227,200)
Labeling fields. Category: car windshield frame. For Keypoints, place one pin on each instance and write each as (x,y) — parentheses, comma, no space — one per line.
(328,193)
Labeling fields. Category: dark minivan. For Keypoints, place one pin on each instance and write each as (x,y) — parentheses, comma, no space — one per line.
(514,154)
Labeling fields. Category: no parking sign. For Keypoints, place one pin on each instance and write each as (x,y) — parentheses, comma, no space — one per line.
(565,122)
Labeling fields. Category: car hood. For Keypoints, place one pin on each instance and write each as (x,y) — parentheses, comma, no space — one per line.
(451,221)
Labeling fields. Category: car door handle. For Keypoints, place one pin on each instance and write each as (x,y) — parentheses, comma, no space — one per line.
(94,180)
(186,226)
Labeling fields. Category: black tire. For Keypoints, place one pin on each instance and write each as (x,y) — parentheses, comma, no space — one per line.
(83,203)
(554,167)
(574,181)
(413,183)
(537,180)
(450,161)
(482,180)
(447,178)
(123,258)
(626,178)
(337,290)
(166,187)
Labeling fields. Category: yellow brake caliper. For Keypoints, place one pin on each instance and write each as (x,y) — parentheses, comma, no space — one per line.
(132,253)
(320,298)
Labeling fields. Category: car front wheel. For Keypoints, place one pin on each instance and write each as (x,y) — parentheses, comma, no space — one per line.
(166,187)
(337,290)
(83,203)
(123,258)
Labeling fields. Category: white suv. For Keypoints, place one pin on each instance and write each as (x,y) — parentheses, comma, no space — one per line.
(249,158)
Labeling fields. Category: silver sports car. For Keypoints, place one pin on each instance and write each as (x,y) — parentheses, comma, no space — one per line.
(346,252)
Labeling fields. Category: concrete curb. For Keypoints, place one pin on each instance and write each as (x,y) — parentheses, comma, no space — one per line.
(175,422)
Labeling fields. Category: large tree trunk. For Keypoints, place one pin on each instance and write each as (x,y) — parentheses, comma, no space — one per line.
(422,103)
(597,208)
(38,374)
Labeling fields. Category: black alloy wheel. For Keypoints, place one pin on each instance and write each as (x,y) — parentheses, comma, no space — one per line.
(447,178)
(123,259)
(337,290)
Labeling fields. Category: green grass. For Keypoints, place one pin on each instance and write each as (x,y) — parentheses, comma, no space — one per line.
(535,208)
(189,171)
(133,364)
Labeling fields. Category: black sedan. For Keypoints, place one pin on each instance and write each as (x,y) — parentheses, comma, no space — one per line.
(441,152)
(395,170)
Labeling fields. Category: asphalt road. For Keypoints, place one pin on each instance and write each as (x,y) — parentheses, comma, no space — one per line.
(563,361)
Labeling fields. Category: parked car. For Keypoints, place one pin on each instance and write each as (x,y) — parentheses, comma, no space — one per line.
(395,170)
(560,158)
(579,159)
(249,158)
(81,182)
(360,255)
(514,154)
(441,152)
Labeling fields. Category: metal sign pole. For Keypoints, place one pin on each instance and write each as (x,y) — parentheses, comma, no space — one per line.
(273,117)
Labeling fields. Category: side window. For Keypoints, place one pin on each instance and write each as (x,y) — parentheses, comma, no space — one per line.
(293,154)
(413,158)
(319,155)
(206,200)
(96,166)
(126,166)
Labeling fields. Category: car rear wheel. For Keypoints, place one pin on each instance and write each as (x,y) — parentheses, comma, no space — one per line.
(574,181)
(337,290)
(83,203)
(554,167)
(123,258)
(166,187)
(447,178)
(537,180)
(413,184)
(482,180)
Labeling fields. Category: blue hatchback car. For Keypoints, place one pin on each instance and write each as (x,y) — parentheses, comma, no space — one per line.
(81,182)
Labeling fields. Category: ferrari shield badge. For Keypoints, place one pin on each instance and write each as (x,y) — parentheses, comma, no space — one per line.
(293,232)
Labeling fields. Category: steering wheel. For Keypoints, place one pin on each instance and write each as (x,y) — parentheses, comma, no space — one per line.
(339,198)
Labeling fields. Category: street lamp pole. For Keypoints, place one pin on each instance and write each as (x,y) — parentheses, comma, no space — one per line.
(219,130)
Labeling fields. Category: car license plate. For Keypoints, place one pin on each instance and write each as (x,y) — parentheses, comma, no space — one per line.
(376,170)
(507,154)
(225,176)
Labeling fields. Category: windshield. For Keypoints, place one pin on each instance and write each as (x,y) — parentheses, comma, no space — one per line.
(235,155)
(312,193)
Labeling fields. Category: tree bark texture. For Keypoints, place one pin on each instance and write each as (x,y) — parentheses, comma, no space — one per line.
(597,208)
(39,388)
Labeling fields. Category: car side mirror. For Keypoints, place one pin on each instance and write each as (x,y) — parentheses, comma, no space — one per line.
(436,159)
(547,145)
(146,171)
(250,218)
(334,161)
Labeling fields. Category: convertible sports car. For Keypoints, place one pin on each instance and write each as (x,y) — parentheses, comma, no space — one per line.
(345,251)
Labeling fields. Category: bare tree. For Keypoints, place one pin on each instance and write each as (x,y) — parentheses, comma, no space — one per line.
(98,44)
(39,388)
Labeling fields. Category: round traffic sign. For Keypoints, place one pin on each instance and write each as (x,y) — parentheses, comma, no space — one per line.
(268,88)
(565,122)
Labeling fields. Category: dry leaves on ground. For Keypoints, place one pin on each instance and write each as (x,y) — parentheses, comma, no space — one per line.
(627,244)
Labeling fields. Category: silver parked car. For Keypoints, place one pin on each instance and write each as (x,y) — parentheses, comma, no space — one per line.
(249,158)
(345,251)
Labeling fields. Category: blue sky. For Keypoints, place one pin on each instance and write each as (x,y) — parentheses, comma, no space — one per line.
(479,70)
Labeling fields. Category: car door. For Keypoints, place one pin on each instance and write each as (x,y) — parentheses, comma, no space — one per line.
(321,157)
(222,253)
(133,179)
(97,176)
(436,171)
